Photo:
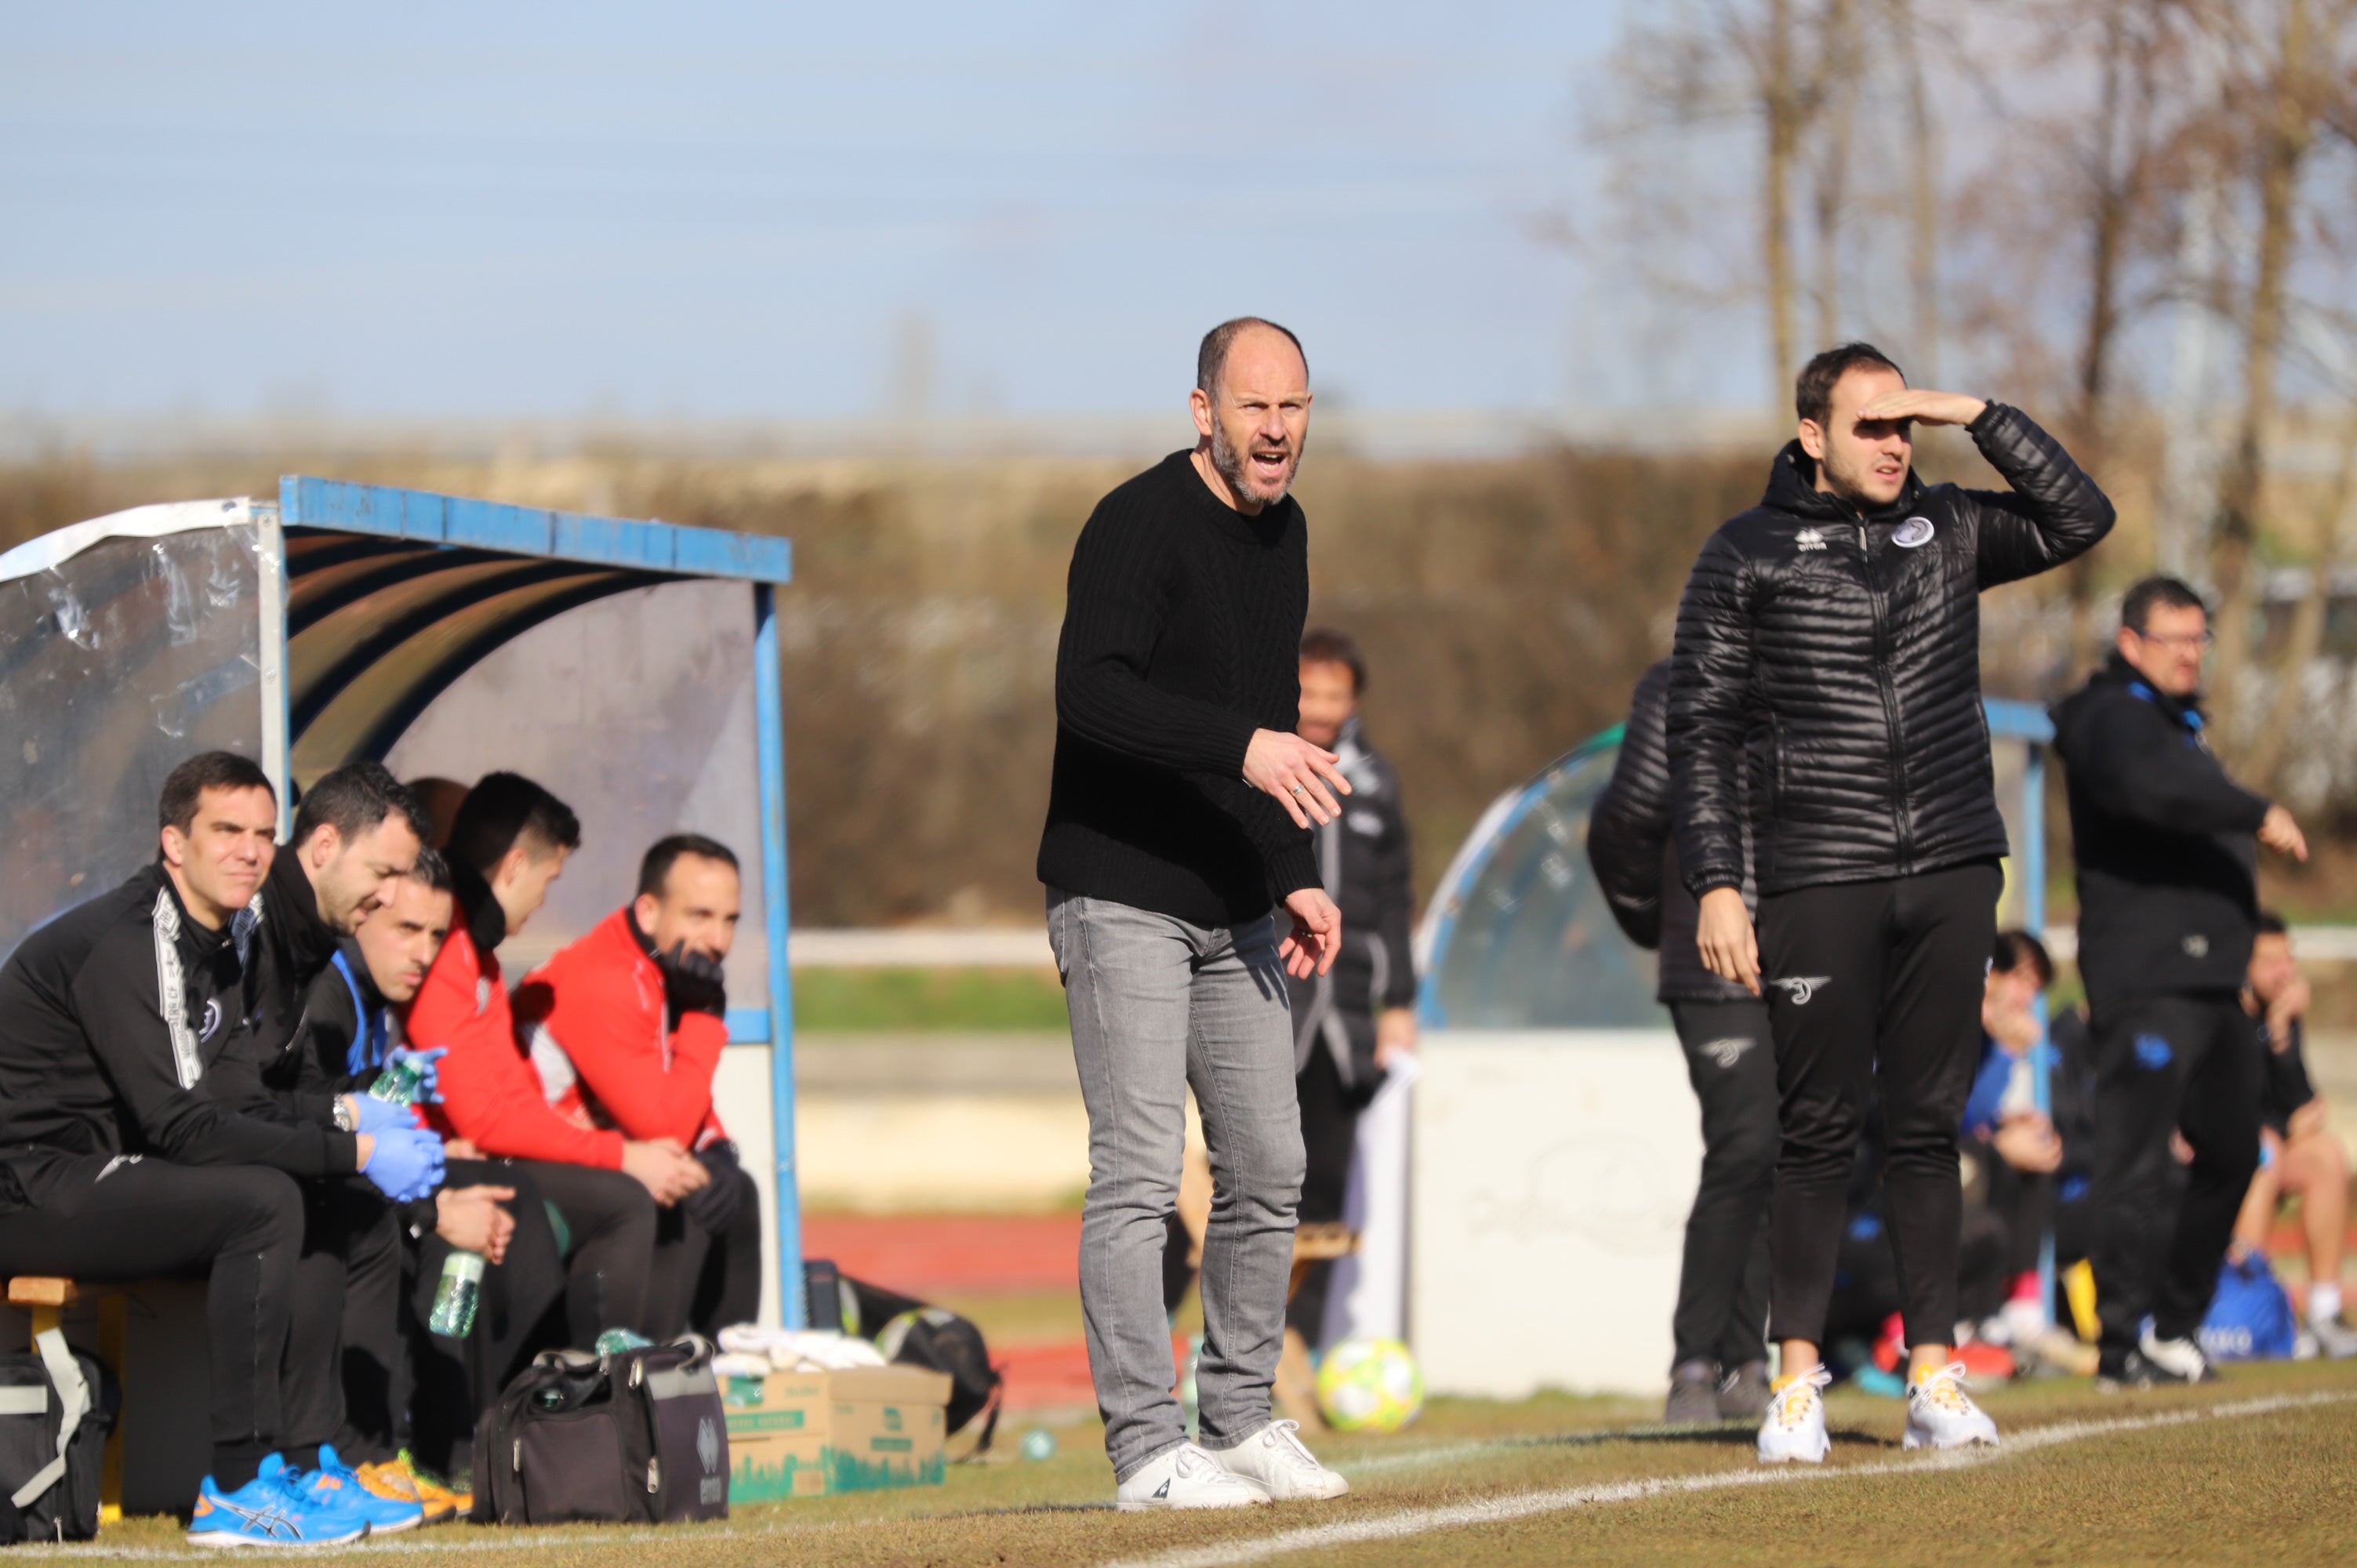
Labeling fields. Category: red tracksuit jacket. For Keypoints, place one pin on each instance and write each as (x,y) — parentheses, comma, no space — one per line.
(490,1095)
(592,1020)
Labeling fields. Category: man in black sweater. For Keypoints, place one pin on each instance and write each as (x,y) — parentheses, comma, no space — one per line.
(2167,906)
(1843,614)
(1718,1369)
(1179,816)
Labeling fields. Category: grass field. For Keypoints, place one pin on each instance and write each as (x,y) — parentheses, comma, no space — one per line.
(2258,1469)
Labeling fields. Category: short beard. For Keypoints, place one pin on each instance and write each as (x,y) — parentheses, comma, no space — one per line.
(1231,467)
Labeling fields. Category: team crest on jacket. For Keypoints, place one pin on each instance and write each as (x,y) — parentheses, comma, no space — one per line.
(1802,987)
(1913,532)
(1808,539)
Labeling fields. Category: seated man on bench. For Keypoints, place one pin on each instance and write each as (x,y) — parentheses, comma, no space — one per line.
(402,1386)
(626,1028)
(118,1162)
(507,845)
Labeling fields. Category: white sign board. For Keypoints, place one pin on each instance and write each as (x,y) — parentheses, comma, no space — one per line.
(1553,1173)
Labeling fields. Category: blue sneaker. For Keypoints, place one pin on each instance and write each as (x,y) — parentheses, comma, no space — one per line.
(336,1485)
(269,1510)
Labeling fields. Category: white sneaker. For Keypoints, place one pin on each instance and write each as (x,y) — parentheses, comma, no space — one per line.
(1795,1427)
(2180,1358)
(2335,1339)
(1276,1459)
(1187,1477)
(1940,1414)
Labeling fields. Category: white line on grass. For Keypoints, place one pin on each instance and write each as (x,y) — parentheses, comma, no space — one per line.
(1523,1505)
(1385,1527)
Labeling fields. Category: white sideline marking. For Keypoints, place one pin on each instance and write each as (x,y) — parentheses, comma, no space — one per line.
(1385,1527)
(1523,1505)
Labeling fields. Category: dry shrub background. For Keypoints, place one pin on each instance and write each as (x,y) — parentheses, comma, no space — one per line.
(1506,607)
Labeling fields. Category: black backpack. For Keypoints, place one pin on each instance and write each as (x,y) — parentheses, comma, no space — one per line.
(57,1407)
(634,1438)
(914,1334)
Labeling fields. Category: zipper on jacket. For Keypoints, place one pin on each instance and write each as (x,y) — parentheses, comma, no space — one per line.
(1890,709)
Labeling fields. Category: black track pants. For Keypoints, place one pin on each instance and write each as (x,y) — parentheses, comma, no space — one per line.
(709,1280)
(517,1314)
(1722,1312)
(1330,1129)
(240,1225)
(2167,1064)
(374,1357)
(1874,986)
(609,1223)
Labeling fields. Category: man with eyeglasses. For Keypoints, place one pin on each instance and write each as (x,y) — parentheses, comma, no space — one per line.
(2168,910)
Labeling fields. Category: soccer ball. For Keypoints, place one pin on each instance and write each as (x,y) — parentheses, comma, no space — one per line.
(1369,1385)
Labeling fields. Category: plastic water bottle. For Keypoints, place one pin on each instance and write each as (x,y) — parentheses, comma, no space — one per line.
(398,1084)
(454,1296)
(614,1341)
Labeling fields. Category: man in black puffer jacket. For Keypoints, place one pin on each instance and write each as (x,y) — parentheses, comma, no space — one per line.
(1843,614)
(2168,910)
(1720,1367)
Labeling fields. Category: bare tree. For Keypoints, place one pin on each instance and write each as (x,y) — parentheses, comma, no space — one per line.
(2289,84)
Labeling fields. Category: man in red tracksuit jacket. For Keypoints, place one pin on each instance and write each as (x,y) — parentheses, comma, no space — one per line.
(626,1028)
(507,845)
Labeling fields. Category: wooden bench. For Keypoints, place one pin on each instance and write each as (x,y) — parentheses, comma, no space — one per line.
(45,1299)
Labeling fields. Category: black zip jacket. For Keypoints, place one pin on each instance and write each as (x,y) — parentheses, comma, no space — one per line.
(2167,863)
(261,1071)
(1636,855)
(1856,639)
(109,1017)
(1363,861)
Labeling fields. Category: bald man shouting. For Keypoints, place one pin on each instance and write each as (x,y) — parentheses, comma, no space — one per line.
(1182,889)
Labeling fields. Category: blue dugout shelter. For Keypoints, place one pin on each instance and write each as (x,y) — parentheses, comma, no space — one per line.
(632,665)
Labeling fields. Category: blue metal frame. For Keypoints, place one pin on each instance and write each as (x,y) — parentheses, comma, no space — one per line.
(391,512)
(637,546)
(770,710)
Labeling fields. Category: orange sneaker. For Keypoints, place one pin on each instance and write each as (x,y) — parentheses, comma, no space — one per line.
(399,1478)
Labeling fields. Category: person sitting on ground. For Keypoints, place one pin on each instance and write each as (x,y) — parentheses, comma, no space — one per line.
(625,1027)
(507,845)
(2298,1154)
(119,1163)
(2012,1144)
(412,1399)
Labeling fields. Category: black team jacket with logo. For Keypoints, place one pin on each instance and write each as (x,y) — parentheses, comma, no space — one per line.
(110,1016)
(1855,638)
(2168,895)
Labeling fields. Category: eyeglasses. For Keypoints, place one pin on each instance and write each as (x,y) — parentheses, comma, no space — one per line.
(2176,640)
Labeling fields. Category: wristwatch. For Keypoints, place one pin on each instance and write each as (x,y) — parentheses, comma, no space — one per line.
(345,1121)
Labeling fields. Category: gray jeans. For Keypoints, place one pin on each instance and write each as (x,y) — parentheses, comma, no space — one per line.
(1158,1005)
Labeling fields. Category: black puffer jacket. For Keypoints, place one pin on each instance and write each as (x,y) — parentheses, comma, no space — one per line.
(1636,856)
(1856,638)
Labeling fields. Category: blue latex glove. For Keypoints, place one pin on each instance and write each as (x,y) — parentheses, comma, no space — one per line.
(429,1085)
(406,1164)
(376,1116)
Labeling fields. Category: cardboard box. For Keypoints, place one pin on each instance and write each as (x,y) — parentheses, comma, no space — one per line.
(813,1434)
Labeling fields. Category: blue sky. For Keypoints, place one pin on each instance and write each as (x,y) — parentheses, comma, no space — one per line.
(750,211)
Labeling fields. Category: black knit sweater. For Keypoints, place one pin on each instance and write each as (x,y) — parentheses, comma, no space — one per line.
(1183,635)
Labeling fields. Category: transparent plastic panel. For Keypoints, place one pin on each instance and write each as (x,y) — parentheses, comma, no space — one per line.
(638,712)
(1533,945)
(116,665)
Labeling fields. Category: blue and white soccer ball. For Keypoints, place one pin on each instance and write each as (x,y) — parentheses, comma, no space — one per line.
(1369,1385)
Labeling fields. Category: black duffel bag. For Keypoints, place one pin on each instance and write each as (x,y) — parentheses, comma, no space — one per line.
(57,1407)
(634,1438)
